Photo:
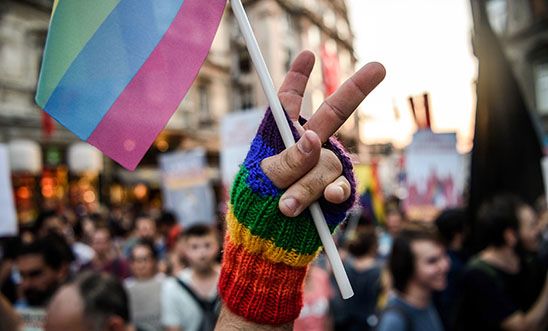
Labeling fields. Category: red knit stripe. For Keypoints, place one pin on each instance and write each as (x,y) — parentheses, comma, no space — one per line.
(258,290)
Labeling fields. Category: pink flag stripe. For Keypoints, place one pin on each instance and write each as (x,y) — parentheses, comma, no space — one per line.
(143,109)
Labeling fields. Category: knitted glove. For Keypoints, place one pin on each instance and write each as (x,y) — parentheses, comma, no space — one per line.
(266,253)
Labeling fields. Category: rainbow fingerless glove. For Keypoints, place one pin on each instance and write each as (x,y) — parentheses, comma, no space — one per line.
(266,254)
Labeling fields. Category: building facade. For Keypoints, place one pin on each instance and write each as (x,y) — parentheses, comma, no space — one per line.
(226,83)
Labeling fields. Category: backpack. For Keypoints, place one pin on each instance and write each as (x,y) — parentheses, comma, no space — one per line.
(210,309)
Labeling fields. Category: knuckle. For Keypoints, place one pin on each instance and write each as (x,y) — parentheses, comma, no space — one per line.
(291,160)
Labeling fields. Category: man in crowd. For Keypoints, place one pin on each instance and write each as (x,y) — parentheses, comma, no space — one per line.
(450,224)
(180,307)
(43,267)
(93,302)
(145,229)
(106,257)
(145,287)
(418,265)
(498,290)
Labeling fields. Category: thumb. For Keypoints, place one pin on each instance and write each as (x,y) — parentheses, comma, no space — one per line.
(293,163)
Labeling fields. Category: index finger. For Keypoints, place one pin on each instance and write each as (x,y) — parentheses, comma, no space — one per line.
(337,108)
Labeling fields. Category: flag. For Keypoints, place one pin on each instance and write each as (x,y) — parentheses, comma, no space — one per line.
(114,71)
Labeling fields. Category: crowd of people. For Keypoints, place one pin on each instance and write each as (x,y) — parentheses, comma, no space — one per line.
(155,275)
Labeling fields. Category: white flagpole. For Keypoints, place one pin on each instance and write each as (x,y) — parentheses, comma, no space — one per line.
(287,136)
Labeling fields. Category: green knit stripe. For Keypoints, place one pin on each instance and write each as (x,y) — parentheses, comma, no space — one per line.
(263,218)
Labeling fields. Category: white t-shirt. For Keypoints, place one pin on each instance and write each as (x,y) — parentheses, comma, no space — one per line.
(145,304)
(178,307)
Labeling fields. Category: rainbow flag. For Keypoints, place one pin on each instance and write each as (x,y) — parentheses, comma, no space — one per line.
(114,71)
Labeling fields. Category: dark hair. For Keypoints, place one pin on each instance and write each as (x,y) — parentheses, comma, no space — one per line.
(149,244)
(53,248)
(495,216)
(41,220)
(103,296)
(363,241)
(167,218)
(198,230)
(450,223)
(402,260)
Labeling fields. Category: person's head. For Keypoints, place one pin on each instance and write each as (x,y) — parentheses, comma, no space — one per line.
(529,229)
(93,302)
(143,259)
(394,220)
(145,227)
(450,224)
(43,266)
(101,242)
(418,259)
(363,242)
(166,221)
(48,222)
(497,223)
(200,246)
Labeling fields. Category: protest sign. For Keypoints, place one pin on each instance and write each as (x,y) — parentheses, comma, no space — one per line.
(8,218)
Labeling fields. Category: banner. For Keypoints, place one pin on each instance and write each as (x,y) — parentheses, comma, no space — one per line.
(8,218)
(435,174)
(237,132)
(185,186)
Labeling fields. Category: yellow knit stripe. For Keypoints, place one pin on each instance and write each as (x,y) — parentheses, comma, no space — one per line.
(240,235)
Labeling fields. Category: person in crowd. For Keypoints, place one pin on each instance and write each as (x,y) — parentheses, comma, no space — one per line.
(48,222)
(450,224)
(145,287)
(92,302)
(364,271)
(418,266)
(43,266)
(496,287)
(145,229)
(189,298)
(9,319)
(106,257)
(394,221)
(169,228)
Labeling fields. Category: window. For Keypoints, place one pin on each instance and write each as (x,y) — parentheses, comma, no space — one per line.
(246,97)
(203,95)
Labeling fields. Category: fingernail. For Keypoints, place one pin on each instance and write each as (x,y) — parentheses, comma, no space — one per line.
(304,144)
(291,204)
(339,191)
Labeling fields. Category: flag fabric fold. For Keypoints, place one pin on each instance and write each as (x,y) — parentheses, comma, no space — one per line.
(115,71)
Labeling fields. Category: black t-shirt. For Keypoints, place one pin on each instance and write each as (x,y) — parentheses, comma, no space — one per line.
(488,296)
(358,312)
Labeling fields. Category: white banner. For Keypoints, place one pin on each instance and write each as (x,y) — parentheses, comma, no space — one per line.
(186,188)
(435,176)
(8,217)
(237,132)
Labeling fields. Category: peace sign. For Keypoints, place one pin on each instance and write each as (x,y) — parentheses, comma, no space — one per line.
(307,170)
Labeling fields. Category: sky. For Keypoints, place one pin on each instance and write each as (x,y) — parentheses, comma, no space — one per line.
(425,47)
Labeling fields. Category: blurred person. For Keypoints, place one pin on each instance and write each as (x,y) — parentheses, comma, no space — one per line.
(145,229)
(364,272)
(43,266)
(48,221)
(8,254)
(93,302)
(450,224)
(169,228)
(145,287)
(106,257)
(418,266)
(190,299)
(394,221)
(315,314)
(498,291)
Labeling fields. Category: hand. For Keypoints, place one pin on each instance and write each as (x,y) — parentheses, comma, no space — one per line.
(305,169)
